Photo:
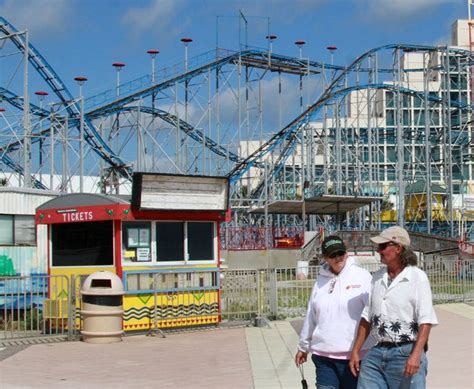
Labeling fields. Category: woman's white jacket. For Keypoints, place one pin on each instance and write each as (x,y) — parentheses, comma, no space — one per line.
(334,310)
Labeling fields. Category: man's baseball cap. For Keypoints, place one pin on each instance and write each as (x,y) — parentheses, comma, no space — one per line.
(333,246)
(394,234)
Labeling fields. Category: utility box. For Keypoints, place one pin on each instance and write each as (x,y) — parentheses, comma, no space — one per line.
(102,308)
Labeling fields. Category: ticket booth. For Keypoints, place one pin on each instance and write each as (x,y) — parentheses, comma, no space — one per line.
(162,241)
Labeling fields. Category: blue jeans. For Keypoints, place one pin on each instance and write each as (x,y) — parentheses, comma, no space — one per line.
(382,368)
(333,373)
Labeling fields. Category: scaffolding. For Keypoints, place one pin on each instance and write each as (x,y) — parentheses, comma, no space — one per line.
(280,127)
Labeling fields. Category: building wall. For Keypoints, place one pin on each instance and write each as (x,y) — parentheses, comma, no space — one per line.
(20,201)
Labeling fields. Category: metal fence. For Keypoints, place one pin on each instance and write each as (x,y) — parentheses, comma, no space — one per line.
(284,292)
(27,311)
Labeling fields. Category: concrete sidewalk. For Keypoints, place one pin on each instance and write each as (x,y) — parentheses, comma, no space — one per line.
(244,358)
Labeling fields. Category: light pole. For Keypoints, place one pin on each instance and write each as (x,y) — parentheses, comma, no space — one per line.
(41,96)
(153,53)
(300,44)
(186,42)
(118,67)
(80,81)
(270,39)
(331,50)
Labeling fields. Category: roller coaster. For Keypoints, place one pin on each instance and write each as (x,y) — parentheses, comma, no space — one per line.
(279,127)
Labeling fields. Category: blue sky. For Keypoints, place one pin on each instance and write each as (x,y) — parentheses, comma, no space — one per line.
(84,37)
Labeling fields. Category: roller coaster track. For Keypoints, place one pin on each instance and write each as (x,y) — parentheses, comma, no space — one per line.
(330,94)
(19,169)
(17,102)
(291,140)
(404,47)
(58,87)
(250,58)
(189,130)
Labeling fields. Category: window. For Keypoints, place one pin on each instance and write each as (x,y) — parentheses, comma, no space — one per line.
(170,241)
(17,230)
(162,242)
(200,241)
(136,241)
(390,118)
(6,230)
(25,230)
(82,244)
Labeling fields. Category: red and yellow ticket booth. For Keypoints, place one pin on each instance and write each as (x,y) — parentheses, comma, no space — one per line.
(162,241)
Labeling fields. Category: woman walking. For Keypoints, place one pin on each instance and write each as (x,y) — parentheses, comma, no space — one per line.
(338,298)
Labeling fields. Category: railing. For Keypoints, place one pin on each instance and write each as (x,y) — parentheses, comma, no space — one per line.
(181,296)
(160,76)
(26,311)
(283,293)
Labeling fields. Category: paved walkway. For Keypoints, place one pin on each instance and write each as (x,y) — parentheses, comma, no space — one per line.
(251,357)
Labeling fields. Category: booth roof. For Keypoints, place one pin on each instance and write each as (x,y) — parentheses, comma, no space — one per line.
(83,200)
(321,205)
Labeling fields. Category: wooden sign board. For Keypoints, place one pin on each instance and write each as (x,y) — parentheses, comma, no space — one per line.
(152,191)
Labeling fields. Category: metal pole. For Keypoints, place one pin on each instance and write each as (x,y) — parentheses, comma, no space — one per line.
(400,145)
(429,216)
(449,145)
(81,146)
(26,118)
(51,140)
(64,156)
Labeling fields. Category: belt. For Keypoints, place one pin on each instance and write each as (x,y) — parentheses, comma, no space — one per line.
(394,344)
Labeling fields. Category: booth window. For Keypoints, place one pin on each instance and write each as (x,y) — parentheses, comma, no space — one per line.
(17,230)
(200,241)
(82,244)
(170,241)
(136,241)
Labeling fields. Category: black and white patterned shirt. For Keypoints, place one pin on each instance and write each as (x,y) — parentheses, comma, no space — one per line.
(396,309)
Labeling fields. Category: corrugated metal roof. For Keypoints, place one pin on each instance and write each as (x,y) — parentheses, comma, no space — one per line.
(21,201)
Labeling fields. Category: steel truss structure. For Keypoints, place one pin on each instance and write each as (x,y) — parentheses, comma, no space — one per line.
(396,118)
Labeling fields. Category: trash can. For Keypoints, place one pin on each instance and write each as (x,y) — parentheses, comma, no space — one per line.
(102,308)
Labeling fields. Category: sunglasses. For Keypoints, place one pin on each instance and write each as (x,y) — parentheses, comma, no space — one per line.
(383,246)
(336,254)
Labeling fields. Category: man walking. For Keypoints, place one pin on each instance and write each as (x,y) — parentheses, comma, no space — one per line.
(399,314)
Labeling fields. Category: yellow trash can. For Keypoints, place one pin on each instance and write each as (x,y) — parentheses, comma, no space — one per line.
(102,308)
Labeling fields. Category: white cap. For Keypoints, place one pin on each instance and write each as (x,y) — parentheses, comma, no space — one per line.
(394,234)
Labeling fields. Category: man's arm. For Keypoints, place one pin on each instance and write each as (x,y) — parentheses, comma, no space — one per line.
(362,333)
(413,362)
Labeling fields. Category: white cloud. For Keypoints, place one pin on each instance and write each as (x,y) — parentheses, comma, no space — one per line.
(158,16)
(40,17)
(398,8)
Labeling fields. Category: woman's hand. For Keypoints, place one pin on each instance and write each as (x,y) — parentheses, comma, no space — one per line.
(300,357)
(354,363)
